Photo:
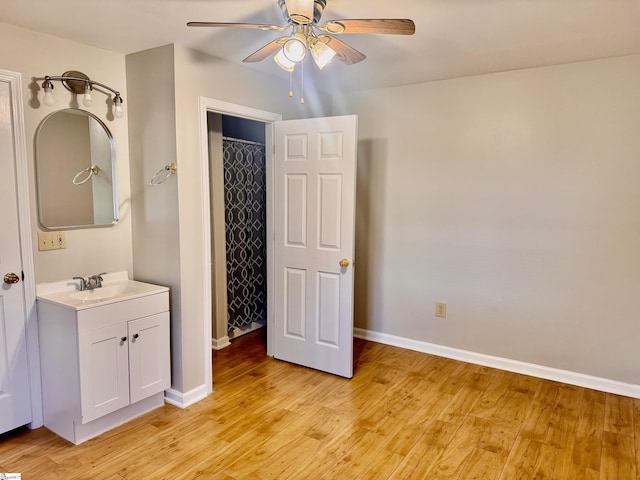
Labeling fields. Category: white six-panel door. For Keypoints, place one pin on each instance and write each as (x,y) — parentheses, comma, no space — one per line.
(15,402)
(314,209)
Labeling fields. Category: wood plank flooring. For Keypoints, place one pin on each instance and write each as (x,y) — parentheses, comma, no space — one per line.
(405,415)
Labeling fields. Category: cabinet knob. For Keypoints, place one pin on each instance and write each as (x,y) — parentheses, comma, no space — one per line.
(123,339)
(135,336)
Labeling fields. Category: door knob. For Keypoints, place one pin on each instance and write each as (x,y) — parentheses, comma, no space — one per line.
(344,263)
(11,278)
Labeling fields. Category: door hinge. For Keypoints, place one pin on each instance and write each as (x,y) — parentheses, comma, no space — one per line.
(22,276)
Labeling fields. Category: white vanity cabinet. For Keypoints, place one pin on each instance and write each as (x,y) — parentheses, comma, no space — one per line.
(122,364)
(103,362)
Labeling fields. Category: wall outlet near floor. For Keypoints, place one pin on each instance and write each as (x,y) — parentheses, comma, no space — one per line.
(51,241)
(441,309)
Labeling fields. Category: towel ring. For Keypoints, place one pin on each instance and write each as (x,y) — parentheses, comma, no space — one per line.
(159,178)
(91,171)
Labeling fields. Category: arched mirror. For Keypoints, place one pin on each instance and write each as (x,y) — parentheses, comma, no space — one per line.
(75,171)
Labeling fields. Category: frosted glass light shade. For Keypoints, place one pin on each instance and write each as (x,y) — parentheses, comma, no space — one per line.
(283,62)
(48,97)
(322,54)
(117,106)
(86,100)
(295,49)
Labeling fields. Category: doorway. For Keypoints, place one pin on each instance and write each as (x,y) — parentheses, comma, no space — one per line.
(239,144)
(212,111)
(314,326)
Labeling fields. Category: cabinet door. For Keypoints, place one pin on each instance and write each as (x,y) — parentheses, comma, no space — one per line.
(149,361)
(104,371)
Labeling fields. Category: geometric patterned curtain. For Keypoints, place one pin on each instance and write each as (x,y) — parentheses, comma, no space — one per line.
(245,227)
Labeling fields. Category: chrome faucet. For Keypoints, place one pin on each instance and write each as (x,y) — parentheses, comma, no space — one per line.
(83,283)
(89,283)
(95,281)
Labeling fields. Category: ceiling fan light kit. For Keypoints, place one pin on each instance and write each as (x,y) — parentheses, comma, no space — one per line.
(303,17)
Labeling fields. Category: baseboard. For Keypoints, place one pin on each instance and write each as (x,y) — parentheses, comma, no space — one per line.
(220,343)
(183,400)
(540,371)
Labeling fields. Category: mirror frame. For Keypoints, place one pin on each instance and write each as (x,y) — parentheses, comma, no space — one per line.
(39,180)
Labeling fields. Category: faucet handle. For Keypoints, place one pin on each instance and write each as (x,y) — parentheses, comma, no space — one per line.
(83,283)
(98,278)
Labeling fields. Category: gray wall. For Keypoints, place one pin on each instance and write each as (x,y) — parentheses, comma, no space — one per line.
(514,198)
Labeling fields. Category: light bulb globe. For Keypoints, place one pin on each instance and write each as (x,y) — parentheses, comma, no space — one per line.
(322,54)
(47,86)
(283,62)
(48,97)
(86,100)
(295,49)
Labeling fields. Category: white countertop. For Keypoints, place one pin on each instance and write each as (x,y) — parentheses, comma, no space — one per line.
(62,293)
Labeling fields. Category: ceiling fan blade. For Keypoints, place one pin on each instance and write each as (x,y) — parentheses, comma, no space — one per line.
(300,11)
(344,52)
(266,51)
(258,26)
(390,26)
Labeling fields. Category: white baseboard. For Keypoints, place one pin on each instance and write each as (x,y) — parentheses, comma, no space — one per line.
(540,371)
(220,343)
(183,400)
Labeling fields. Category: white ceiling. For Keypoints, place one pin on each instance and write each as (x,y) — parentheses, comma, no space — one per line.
(453,37)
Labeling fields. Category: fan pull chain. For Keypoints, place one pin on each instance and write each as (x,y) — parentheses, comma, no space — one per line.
(302,82)
(291,83)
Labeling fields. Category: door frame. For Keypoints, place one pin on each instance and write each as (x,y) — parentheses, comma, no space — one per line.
(225,108)
(14,79)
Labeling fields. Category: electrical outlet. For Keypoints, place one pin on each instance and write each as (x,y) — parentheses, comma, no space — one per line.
(441,309)
(51,241)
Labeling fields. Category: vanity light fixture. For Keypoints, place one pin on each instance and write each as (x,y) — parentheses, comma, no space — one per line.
(80,84)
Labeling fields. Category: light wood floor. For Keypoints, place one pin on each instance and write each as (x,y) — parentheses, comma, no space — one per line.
(405,415)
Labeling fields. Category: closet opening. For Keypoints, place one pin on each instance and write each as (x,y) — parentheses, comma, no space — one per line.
(238,196)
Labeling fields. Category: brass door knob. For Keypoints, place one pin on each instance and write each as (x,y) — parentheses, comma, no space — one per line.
(344,263)
(11,278)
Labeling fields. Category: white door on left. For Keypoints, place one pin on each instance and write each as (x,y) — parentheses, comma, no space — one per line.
(15,401)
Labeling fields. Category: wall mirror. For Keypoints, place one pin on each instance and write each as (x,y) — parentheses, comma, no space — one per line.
(75,171)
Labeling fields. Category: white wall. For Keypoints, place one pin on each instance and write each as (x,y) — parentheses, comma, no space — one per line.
(34,55)
(514,198)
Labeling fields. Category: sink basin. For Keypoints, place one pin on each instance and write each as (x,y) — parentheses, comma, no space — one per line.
(104,293)
(116,287)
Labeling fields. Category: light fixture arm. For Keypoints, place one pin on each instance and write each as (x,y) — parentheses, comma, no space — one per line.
(80,84)
(66,78)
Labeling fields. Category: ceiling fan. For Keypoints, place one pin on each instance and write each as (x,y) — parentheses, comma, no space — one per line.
(308,35)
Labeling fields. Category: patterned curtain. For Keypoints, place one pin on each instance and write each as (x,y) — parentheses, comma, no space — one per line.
(245,219)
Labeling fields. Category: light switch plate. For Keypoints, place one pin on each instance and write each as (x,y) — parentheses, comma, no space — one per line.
(51,241)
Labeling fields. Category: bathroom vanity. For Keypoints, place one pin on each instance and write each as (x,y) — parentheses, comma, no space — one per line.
(104,354)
